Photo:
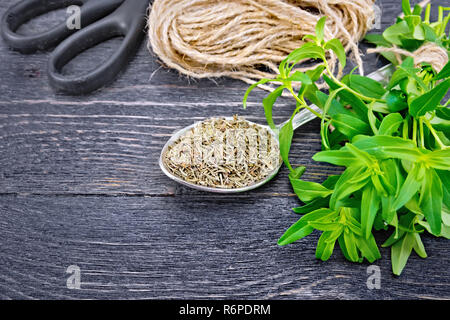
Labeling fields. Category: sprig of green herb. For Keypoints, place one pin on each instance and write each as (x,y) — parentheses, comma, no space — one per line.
(411,31)
(393,141)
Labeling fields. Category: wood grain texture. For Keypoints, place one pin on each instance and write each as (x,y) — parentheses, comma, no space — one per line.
(80,185)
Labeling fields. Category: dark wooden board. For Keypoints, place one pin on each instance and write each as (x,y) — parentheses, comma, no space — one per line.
(80,185)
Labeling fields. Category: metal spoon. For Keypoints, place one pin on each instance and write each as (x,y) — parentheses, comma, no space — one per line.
(300,119)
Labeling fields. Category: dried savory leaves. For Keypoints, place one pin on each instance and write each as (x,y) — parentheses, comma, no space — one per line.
(223,153)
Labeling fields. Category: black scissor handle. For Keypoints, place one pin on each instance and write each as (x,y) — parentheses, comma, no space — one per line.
(18,14)
(128,20)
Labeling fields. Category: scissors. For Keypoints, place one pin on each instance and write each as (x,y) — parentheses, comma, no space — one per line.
(100,20)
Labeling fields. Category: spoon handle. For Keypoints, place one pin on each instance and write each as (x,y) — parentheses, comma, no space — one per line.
(304,116)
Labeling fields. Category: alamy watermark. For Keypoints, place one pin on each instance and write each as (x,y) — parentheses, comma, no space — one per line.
(228,147)
(73,21)
(374,277)
(74,280)
(377,19)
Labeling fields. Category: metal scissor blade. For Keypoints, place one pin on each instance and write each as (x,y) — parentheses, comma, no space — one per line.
(25,10)
(127,21)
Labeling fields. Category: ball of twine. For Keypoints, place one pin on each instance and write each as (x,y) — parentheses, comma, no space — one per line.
(247,39)
(429,52)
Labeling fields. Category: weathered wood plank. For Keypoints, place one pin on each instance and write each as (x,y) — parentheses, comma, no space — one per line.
(152,247)
(79,184)
(65,149)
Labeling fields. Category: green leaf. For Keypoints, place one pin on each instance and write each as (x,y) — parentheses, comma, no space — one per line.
(301,228)
(445,179)
(350,245)
(325,244)
(374,122)
(366,86)
(409,42)
(308,191)
(363,156)
(400,252)
(315,73)
(298,76)
(417,10)
(310,37)
(444,73)
(443,113)
(307,51)
(268,103)
(391,177)
(398,76)
(406,7)
(313,205)
(441,124)
(324,129)
(393,238)
(337,157)
(296,232)
(297,173)
(384,147)
(430,34)
(430,200)
(419,33)
(412,73)
(336,46)
(335,107)
(413,21)
(350,125)
(409,188)
(380,107)
(439,159)
(285,136)
(308,92)
(318,203)
(392,34)
(368,248)
(390,124)
(324,226)
(390,56)
(356,103)
(331,181)
(342,246)
(378,40)
(353,179)
(445,231)
(370,204)
(320,28)
(430,100)
(253,86)
(418,246)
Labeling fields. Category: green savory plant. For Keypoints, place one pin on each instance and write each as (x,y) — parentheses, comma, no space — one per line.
(393,141)
(411,31)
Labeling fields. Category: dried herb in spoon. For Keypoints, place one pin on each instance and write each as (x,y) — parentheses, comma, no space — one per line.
(223,153)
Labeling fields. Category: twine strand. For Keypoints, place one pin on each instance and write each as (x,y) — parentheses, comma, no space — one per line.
(429,52)
(247,39)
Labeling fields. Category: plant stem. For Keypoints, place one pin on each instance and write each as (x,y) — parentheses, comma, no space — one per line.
(433,132)
(422,137)
(405,129)
(363,97)
(414,133)
(302,102)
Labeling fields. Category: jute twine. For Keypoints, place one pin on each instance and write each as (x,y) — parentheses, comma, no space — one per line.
(430,53)
(247,39)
